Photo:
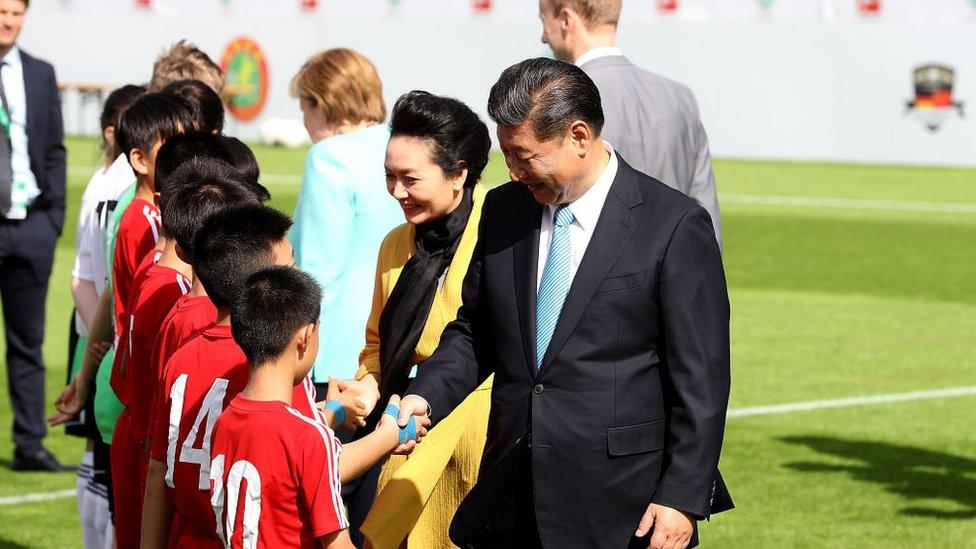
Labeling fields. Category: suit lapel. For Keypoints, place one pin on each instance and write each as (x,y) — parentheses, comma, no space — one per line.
(526,263)
(30,92)
(617,223)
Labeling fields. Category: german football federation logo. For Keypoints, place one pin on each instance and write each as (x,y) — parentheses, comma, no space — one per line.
(933,103)
(246,69)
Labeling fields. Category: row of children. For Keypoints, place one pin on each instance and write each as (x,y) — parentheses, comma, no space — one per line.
(205,332)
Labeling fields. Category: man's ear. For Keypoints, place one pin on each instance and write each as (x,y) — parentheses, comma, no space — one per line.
(581,135)
(139,162)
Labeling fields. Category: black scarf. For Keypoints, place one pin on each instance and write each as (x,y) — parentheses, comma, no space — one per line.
(405,313)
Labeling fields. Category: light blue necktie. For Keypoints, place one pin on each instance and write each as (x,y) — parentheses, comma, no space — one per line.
(555,282)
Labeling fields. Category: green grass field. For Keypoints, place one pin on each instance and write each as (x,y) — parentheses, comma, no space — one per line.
(831,298)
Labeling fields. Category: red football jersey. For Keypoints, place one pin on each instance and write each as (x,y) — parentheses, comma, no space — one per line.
(188,317)
(200,379)
(153,295)
(122,330)
(275,476)
(138,234)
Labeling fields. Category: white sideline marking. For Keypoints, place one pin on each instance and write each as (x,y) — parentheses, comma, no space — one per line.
(850,401)
(733,413)
(37,496)
(848,203)
(754,199)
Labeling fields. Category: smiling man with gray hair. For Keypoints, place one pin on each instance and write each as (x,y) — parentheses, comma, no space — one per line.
(651,120)
(596,296)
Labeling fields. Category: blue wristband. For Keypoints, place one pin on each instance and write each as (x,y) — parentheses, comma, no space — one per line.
(338,411)
(406,433)
(410,431)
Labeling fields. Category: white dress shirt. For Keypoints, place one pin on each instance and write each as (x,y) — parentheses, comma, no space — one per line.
(586,209)
(12,72)
(596,53)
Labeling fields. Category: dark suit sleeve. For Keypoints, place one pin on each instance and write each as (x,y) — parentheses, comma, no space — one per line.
(460,362)
(54,152)
(695,317)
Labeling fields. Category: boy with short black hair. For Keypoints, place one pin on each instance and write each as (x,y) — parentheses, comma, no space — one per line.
(208,109)
(210,369)
(286,464)
(200,190)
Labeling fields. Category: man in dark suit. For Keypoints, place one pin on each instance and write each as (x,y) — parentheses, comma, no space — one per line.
(597,297)
(32,193)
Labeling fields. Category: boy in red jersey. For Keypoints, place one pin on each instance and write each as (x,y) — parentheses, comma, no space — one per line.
(143,127)
(200,189)
(276,475)
(204,374)
(194,311)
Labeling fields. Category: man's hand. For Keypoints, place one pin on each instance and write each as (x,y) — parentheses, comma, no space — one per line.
(672,529)
(366,391)
(413,405)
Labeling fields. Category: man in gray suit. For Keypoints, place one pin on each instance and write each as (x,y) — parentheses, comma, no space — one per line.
(651,121)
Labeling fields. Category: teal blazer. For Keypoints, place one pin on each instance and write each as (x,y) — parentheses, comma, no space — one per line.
(344,211)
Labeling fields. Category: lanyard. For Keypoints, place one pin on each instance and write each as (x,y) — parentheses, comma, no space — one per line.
(4,120)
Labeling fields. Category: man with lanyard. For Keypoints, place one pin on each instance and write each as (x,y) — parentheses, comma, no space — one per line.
(32,193)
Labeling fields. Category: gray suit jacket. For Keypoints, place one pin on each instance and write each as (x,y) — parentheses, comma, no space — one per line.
(653,123)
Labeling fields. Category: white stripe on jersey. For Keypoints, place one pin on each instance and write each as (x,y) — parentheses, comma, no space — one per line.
(184,283)
(310,393)
(333,448)
(155,222)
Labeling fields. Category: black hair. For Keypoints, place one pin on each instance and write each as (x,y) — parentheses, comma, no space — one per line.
(549,94)
(234,243)
(208,109)
(458,138)
(151,117)
(190,146)
(115,103)
(198,189)
(242,158)
(273,305)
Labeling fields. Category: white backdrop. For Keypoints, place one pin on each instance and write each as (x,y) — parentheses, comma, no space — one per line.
(802,79)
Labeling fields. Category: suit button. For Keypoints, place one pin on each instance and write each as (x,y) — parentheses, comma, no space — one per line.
(538,389)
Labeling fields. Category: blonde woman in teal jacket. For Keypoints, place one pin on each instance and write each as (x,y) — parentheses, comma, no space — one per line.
(343,209)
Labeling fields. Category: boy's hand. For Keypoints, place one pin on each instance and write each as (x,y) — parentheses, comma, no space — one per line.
(97,350)
(71,401)
(365,390)
(406,437)
(355,411)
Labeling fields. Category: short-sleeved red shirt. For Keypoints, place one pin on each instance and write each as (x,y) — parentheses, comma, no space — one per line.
(275,474)
(138,234)
(200,379)
(154,292)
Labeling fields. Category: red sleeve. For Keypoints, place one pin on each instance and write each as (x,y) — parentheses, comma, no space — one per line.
(320,488)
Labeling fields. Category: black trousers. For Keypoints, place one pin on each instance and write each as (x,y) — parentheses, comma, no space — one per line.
(26,258)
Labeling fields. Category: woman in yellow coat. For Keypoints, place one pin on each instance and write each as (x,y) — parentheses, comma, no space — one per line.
(437,151)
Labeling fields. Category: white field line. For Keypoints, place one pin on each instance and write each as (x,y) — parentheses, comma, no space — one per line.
(37,496)
(752,199)
(733,413)
(848,203)
(850,401)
